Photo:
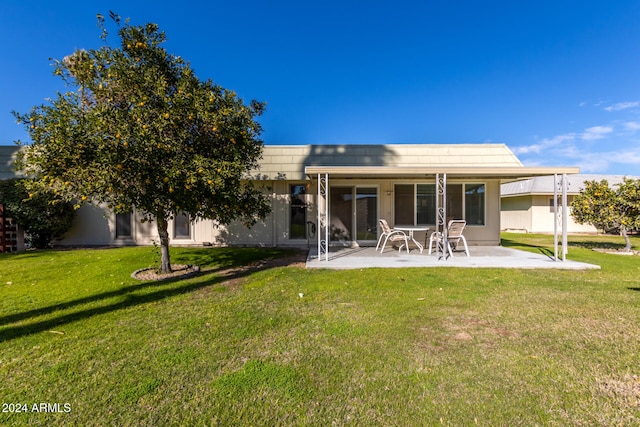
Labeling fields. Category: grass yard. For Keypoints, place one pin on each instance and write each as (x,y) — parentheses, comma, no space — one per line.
(82,343)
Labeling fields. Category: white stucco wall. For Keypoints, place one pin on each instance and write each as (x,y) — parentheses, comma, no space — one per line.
(533,214)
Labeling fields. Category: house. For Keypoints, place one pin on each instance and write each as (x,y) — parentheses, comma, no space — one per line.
(528,205)
(335,194)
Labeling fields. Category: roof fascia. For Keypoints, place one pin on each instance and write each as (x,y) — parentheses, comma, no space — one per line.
(503,173)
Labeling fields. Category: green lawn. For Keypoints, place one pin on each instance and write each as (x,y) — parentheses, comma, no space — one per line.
(287,346)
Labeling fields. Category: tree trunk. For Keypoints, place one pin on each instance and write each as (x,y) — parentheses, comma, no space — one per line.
(163,233)
(627,240)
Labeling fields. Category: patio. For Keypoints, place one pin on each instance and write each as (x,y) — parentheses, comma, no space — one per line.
(481,257)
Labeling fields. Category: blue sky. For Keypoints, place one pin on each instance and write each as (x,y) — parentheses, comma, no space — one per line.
(557,81)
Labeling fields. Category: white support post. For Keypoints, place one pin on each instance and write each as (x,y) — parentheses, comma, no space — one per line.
(327,219)
(319,208)
(441,215)
(555,217)
(437,227)
(565,218)
(323,215)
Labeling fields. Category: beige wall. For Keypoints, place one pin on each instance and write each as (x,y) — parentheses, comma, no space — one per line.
(532,213)
(96,226)
(515,213)
(488,234)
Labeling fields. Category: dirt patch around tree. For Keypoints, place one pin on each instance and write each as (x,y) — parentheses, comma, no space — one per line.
(178,271)
(615,251)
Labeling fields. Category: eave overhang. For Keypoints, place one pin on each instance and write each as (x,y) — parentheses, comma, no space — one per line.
(502,173)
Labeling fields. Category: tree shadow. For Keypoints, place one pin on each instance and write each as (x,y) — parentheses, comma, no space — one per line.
(165,289)
(507,243)
(228,257)
(594,244)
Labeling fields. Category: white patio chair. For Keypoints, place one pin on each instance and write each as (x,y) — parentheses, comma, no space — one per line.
(454,236)
(391,235)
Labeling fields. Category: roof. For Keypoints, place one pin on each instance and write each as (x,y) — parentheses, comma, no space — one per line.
(543,185)
(297,162)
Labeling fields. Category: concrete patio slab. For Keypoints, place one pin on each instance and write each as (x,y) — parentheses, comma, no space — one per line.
(481,257)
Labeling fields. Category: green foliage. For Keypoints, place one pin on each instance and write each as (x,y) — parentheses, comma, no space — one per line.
(140,129)
(43,215)
(609,209)
(373,347)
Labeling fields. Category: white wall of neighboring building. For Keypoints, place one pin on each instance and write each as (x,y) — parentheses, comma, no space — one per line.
(533,214)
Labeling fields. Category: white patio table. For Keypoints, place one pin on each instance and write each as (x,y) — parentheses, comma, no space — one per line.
(411,230)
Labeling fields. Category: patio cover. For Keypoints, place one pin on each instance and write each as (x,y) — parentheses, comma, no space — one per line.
(505,174)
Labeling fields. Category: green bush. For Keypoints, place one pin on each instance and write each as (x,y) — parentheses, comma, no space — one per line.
(43,216)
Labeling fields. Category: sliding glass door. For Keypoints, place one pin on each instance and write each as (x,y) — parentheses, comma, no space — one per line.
(354,214)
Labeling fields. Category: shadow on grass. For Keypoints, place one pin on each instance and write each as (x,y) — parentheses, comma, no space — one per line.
(225,258)
(11,318)
(594,244)
(165,289)
(515,245)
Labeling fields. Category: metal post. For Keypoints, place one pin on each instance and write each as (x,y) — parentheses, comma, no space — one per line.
(327,218)
(565,214)
(441,215)
(555,217)
(323,215)
(319,208)
(438,201)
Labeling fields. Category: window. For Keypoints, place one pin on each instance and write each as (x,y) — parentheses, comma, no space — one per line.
(415,204)
(403,201)
(123,225)
(182,226)
(426,203)
(454,202)
(297,212)
(474,204)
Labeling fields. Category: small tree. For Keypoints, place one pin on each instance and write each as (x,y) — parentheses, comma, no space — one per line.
(43,215)
(609,209)
(141,130)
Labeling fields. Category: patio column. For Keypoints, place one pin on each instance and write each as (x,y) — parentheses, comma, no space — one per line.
(565,218)
(323,216)
(441,215)
(555,217)
(560,217)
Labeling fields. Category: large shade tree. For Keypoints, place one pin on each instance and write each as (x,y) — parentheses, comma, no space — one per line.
(137,129)
(609,209)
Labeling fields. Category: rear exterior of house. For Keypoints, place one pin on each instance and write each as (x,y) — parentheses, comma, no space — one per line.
(337,193)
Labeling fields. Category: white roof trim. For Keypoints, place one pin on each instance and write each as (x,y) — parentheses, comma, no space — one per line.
(421,171)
